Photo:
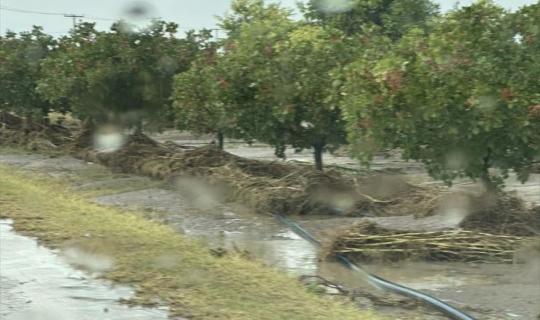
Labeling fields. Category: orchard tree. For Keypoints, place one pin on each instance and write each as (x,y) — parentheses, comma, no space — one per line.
(198,103)
(120,75)
(276,76)
(303,86)
(244,12)
(526,88)
(218,94)
(392,17)
(460,100)
(20,58)
(245,66)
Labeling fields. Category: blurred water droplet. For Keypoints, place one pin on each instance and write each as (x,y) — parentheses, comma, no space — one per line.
(456,160)
(87,260)
(487,102)
(33,54)
(167,261)
(200,193)
(334,6)
(167,65)
(138,9)
(137,15)
(109,139)
(454,207)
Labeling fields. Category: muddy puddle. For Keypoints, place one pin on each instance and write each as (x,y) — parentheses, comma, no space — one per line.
(487,291)
(38,284)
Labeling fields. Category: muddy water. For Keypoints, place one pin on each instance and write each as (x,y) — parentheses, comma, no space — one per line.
(491,291)
(36,283)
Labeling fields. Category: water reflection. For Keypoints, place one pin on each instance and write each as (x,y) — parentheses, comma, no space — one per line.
(36,284)
(283,249)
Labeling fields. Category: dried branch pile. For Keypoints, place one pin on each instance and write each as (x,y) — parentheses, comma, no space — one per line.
(504,214)
(369,242)
(265,186)
(32,135)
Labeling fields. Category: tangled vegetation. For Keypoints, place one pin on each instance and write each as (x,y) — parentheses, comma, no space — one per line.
(369,242)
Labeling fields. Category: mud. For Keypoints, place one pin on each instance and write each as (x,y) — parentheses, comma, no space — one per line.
(37,283)
(222,226)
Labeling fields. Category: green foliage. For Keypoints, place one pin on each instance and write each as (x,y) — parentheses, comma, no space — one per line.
(302,85)
(458,92)
(198,104)
(20,58)
(244,12)
(392,17)
(461,100)
(245,69)
(119,75)
(277,76)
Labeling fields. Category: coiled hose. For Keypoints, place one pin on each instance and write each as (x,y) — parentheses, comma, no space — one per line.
(379,282)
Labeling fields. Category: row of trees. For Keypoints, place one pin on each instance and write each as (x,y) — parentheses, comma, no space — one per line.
(458,91)
(119,75)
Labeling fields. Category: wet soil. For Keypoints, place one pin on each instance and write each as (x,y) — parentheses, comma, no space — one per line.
(492,291)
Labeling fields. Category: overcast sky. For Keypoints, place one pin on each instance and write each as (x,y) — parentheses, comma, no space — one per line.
(187,13)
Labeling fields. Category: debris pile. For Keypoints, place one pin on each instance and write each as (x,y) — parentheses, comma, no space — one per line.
(32,135)
(503,214)
(368,242)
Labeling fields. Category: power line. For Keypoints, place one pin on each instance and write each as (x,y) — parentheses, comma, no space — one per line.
(100,18)
(90,17)
(31,11)
(63,14)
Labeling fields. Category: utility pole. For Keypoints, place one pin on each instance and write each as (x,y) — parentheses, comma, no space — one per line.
(74,17)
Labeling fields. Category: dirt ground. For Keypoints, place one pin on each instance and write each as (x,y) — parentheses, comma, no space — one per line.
(229,227)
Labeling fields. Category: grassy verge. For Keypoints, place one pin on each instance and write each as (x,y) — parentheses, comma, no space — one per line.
(163,266)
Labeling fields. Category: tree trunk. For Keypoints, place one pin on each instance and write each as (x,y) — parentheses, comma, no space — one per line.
(220,139)
(317,153)
(490,185)
(27,124)
(138,128)
(488,182)
(45,118)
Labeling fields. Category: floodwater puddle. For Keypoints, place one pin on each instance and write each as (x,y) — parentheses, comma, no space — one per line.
(36,283)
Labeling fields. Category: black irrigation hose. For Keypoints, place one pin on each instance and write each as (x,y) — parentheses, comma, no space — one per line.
(379,282)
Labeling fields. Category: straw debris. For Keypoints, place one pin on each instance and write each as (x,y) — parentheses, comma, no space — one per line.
(503,214)
(264,186)
(368,242)
(32,135)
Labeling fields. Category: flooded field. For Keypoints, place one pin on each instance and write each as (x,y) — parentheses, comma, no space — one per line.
(491,291)
(39,284)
